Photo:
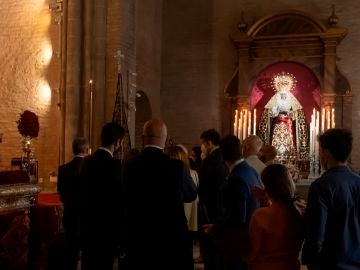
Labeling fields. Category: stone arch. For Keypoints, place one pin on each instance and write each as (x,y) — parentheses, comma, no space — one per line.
(301,23)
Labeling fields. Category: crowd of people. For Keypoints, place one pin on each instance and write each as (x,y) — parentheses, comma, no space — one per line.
(230,196)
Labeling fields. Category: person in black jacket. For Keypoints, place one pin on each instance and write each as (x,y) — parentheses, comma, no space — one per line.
(102,208)
(156,189)
(213,173)
(68,186)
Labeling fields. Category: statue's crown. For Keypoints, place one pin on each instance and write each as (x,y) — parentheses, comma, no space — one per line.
(283,81)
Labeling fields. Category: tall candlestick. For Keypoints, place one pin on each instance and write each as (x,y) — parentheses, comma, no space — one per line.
(254,122)
(333,118)
(90,113)
(322,119)
(328,119)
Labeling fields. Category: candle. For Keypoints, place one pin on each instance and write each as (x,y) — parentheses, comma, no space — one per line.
(235,122)
(333,118)
(322,119)
(317,126)
(254,122)
(240,125)
(328,119)
(249,123)
(312,129)
(90,113)
(244,124)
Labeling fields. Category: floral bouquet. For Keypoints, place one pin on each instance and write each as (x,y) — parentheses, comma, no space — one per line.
(294,171)
(28,124)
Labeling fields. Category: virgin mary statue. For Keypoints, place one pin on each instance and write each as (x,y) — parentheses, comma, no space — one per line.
(283,118)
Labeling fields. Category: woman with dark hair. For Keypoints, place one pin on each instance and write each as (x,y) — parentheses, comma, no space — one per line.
(276,232)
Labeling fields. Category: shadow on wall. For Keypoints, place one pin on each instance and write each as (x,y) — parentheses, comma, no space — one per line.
(143,113)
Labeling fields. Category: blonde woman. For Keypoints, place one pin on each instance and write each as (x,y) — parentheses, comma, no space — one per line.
(180,152)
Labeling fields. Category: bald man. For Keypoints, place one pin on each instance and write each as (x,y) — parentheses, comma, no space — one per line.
(251,148)
(157,187)
(154,134)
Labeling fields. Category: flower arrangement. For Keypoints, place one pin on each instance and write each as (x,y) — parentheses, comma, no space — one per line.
(294,171)
(28,124)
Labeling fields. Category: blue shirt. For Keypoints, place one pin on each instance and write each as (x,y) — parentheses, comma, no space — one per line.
(332,239)
(239,202)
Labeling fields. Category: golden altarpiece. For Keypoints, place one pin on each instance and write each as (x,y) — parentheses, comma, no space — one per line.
(287,87)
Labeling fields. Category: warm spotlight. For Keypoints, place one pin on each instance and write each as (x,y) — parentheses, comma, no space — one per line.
(45,92)
(46,53)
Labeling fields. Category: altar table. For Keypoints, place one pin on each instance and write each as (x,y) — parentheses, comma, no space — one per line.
(45,226)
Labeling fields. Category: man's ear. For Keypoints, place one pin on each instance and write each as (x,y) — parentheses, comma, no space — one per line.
(324,157)
(118,143)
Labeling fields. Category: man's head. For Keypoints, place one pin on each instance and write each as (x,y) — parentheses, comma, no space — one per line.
(252,145)
(209,139)
(111,136)
(155,133)
(267,153)
(335,146)
(80,146)
(278,182)
(230,148)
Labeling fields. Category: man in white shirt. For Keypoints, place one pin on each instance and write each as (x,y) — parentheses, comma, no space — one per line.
(251,149)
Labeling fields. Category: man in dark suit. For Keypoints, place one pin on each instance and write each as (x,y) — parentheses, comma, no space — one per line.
(102,208)
(68,186)
(212,177)
(157,188)
(239,203)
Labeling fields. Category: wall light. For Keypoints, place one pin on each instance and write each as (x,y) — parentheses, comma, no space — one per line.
(44,92)
(46,53)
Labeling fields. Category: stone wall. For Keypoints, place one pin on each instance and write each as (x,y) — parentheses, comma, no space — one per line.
(148,63)
(190,97)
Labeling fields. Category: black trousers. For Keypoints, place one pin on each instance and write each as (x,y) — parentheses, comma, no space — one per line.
(96,256)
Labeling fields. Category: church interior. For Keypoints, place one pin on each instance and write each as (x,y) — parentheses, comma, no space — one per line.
(284,71)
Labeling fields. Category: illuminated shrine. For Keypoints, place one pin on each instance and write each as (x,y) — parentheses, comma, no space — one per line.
(289,94)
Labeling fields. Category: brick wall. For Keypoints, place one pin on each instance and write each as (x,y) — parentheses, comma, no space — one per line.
(148,63)
(25,28)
